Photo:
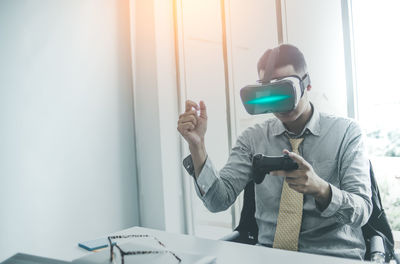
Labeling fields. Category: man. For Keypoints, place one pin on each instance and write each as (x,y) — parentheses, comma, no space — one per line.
(332,182)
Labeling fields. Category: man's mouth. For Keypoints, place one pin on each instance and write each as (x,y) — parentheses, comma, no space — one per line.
(284,113)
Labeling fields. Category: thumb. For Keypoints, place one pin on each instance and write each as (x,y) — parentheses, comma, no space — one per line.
(203,110)
(298,159)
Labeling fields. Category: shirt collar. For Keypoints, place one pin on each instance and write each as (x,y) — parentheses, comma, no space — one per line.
(313,125)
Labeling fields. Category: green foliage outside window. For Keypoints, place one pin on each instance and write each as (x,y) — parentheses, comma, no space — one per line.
(391,205)
(386,143)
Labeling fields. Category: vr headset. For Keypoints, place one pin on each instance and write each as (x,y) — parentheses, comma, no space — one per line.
(273,95)
(276,96)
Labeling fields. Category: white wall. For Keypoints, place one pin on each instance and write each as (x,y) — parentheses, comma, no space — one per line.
(67,161)
(316,28)
(253,29)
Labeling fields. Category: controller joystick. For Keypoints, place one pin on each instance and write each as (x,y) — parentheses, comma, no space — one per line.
(263,165)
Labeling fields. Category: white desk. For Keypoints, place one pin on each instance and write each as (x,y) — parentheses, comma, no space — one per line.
(226,252)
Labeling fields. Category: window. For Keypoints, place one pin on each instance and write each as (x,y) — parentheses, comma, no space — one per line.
(377,66)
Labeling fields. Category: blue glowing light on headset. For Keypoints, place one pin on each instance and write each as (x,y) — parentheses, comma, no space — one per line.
(268,99)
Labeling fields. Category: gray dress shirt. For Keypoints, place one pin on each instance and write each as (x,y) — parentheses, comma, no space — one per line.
(334,147)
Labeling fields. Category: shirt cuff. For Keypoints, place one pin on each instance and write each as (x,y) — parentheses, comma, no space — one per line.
(188,165)
(336,202)
(206,178)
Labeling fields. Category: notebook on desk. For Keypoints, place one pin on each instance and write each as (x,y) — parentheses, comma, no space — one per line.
(164,258)
(21,258)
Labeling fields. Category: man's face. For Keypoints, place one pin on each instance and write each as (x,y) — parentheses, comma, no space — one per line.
(301,106)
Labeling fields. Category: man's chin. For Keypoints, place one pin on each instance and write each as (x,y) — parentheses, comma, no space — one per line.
(286,117)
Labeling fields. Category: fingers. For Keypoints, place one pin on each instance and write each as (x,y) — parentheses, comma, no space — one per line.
(203,110)
(188,117)
(296,184)
(285,151)
(187,121)
(297,158)
(189,104)
(295,181)
(297,188)
(185,127)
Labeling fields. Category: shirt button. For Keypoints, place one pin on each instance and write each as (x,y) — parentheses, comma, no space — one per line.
(203,187)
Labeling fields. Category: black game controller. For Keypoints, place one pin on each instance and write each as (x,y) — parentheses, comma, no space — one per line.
(264,164)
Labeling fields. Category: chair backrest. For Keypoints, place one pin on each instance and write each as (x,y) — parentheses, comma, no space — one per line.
(247,227)
(376,225)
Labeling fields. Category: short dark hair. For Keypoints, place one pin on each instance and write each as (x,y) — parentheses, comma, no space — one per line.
(280,56)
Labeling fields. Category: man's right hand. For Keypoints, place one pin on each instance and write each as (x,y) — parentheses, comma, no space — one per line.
(193,126)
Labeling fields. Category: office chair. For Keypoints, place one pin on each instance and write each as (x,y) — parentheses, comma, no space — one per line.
(377,233)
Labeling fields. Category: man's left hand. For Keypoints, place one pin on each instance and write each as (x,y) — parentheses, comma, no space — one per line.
(305,180)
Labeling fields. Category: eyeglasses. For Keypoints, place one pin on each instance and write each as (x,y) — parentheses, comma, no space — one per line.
(138,252)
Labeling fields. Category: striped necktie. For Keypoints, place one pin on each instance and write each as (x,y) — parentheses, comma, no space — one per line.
(290,212)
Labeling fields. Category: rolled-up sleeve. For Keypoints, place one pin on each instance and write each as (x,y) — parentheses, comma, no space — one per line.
(218,189)
(351,202)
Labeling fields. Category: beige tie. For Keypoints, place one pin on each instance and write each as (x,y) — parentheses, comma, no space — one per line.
(290,212)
